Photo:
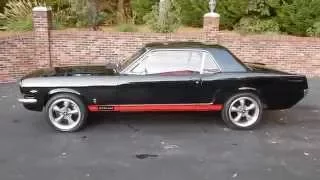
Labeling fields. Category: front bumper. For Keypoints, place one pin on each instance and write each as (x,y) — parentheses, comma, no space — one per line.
(28,101)
(31,104)
(306,92)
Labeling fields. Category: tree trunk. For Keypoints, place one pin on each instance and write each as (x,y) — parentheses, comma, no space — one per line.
(120,12)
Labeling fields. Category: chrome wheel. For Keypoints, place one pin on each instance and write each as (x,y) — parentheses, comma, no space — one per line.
(64,114)
(244,112)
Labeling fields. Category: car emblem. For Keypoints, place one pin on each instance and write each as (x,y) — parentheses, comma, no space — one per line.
(34,91)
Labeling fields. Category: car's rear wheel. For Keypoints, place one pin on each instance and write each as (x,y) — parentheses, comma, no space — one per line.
(242,111)
(66,112)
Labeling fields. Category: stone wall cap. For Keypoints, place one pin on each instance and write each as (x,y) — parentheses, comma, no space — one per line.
(41,8)
(212,14)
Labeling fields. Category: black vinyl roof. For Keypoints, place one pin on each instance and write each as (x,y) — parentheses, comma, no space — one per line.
(186,44)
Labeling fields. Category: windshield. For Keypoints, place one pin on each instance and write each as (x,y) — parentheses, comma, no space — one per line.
(125,63)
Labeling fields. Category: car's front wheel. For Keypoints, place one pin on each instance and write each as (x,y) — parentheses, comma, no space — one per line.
(66,112)
(242,111)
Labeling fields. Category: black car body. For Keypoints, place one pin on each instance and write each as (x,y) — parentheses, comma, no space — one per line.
(177,76)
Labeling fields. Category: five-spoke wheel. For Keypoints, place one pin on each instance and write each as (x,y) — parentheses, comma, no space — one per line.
(66,112)
(242,111)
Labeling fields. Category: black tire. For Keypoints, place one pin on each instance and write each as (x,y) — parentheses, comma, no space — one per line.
(226,116)
(81,115)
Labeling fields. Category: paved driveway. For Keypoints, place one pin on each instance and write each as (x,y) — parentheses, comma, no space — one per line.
(165,146)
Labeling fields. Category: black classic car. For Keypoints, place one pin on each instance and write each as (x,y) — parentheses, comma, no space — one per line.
(175,76)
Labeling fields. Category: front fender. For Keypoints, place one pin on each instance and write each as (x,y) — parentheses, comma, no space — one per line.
(81,92)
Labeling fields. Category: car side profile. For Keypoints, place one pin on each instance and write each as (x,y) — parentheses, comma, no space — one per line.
(175,76)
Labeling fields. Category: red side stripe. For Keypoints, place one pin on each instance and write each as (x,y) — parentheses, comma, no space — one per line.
(93,108)
(156,107)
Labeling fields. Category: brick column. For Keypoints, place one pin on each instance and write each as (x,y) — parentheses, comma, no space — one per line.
(42,23)
(211,23)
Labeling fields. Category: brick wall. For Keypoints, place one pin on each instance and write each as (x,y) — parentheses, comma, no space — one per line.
(26,52)
(16,56)
(288,53)
(89,47)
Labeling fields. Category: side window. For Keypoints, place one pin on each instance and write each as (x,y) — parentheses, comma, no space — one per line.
(209,66)
(169,61)
(227,61)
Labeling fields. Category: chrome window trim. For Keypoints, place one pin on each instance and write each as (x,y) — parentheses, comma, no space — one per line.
(132,65)
(204,53)
(211,58)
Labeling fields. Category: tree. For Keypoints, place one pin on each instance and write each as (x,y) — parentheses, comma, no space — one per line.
(260,16)
(299,16)
(231,12)
(164,17)
(86,14)
(17,15)
(2,5)
(140,8)
(192,11)
(123,11)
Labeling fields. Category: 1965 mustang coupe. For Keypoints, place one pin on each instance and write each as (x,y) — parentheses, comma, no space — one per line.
(176,76)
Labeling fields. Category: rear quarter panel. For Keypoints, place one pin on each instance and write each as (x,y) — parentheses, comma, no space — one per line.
(275,91)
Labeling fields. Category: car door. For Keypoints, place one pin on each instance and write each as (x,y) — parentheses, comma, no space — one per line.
(163,77)
(211,80)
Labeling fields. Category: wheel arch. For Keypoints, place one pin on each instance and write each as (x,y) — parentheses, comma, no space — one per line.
(57,91)
(223,95)
(63,90)
(64,95)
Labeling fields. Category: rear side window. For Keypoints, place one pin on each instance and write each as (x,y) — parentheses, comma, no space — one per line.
(227,62)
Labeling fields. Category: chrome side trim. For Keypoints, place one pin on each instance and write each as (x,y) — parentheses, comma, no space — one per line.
(28,101)
(247,88)
(64,82)
(63,90)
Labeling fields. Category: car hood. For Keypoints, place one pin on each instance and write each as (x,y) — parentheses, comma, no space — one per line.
(71,71)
